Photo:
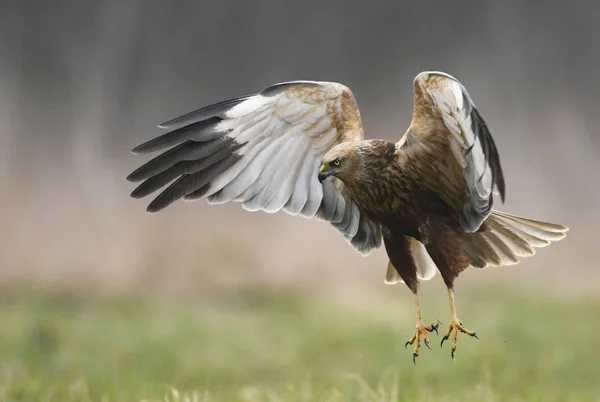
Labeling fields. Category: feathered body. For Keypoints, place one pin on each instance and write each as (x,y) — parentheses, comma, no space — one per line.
(390,191)
(299,147)
(395,193)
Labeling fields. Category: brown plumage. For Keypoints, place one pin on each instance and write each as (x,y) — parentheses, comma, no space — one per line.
(299,147)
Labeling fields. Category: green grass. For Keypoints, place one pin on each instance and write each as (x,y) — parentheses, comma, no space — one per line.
(261,345)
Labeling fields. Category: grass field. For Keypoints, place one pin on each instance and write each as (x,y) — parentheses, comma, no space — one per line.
(267,345)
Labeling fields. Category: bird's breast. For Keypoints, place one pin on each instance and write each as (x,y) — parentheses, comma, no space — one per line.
(391,199)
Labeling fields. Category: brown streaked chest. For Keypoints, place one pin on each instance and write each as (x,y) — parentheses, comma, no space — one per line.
(397,199)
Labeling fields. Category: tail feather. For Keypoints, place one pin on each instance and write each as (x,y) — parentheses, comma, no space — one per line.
(544,231)
(475,248)
(520,242)
(505,239)
(506,249)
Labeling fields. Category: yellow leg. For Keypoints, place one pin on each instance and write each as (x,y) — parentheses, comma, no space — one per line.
(420,331)
(455,325)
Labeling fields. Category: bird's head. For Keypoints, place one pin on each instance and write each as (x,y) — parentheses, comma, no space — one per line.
(342,161)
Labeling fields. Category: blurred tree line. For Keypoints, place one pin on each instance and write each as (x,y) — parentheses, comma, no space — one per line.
(116,62)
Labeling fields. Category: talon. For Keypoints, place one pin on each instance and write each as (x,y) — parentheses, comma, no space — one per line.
(444,339)
(453,329)
(434,327)
(415,355)
(419,336)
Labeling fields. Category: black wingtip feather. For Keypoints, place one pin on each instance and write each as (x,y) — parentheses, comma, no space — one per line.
(216,109)
(165,198)
(490,152)
(190,183)
(476,211)
(154,183)
(212,155)
(203,130)
(185,152)
(198,194)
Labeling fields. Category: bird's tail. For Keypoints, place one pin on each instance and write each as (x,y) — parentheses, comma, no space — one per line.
(505,239)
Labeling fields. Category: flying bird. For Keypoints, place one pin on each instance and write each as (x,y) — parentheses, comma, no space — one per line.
(299,147)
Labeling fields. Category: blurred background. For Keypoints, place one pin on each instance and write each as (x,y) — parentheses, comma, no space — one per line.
(94,287)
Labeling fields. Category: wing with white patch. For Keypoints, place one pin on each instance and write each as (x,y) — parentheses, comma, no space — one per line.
(448,132)
(262,150)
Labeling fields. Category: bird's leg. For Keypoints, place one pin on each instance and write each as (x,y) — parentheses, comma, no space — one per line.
(420,331)
(455,325)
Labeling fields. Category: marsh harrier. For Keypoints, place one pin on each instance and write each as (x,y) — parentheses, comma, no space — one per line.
(299,147)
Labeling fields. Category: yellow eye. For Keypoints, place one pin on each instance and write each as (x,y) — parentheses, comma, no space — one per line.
(336,162)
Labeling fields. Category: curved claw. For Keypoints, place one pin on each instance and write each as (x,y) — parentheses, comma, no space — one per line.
(434,327)
(443,340)
(415,358)
(452,353)
(474,335)
(406,344)
(427,343)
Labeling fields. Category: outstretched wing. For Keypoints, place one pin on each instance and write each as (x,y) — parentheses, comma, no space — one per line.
(447,134)
(262,150)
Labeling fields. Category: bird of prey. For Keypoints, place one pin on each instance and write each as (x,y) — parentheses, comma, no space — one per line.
(299,147)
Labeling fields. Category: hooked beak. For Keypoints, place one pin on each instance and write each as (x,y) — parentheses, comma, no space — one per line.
(323,173)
